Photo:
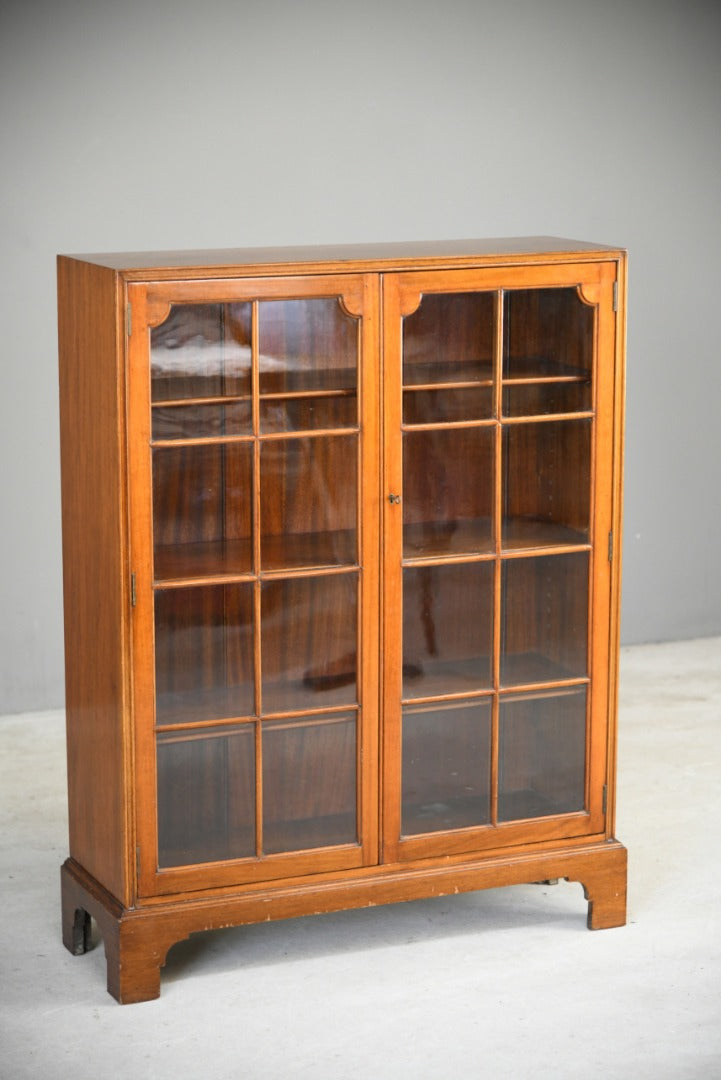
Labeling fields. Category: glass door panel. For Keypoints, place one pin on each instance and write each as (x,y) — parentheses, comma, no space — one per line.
(309,628)
(446,766)
(206,801)
(546,483)
(449,340)
(201,353)
(309,782)
(447,509)
(544,619)
(204,653)
(308,502)
(202,509)
(494,558)
(447,628)
(547,352)
(306,346)
(256,459)
(542,754)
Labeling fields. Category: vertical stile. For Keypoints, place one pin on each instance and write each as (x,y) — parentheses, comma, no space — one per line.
(497,539)
(360,580)
(256,525)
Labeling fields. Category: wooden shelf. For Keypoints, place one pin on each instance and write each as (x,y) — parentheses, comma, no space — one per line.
(523,369)
(433,540)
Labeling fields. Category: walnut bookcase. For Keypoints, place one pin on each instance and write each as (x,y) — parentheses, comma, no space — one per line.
(341,535)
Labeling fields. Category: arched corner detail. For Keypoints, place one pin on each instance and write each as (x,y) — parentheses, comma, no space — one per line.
(351,304)
(589,294)
(410,301)
(157,311)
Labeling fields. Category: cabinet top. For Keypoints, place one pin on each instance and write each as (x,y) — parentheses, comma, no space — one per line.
(350,257)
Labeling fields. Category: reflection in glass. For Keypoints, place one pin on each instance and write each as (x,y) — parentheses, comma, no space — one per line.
(202,421)
(547,483)
(203,653)
(449,338)
(308,508)
(544,613)
(308,646)
(447,628)
(447,491)
(206,800)
(306,345)
(445,766)
(201,351)
(547,332)
(309,782)
(542,754)
(202,509)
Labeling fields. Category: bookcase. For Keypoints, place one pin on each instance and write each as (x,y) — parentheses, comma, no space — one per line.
(341,548)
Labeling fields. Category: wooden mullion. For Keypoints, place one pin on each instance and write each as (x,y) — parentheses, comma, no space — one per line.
(176,403)
(315,433)
(448,425)
(539,552)
(257,611)
(471,384)
(548,418)
(209,440)
(498,544)
(444,560)
(284,395)
(540,688)
(530,380)
(460,695)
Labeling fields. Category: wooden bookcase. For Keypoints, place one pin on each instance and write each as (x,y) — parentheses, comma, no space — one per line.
(341,534)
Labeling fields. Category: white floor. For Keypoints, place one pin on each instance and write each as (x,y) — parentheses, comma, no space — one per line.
(505,983)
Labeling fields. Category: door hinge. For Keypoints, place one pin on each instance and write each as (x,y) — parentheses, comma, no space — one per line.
(129,319)
(604,800)
(615,296)
(133,593)
(610,546)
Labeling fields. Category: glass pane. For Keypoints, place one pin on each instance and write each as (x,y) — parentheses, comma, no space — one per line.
(202,510)
(543,399)
(202,421)
(447,628)
(446,766)
(544,605)
(306,345)
(308,502)
(309,783)
(447,406)
(206,795)
(204,653)
(201,351)
(308,652)
(449,338)
(308,413)
(542,755)
(447,491)
(547,332)
(547,483)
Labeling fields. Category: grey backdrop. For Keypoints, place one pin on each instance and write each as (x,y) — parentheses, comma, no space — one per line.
(180,124)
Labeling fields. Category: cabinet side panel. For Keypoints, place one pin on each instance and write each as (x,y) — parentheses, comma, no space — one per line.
(94,571)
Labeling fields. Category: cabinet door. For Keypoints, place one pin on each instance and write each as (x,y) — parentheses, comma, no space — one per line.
(498,450)
(253,444)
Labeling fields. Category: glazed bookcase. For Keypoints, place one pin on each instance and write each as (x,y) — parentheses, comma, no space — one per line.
(341,539)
